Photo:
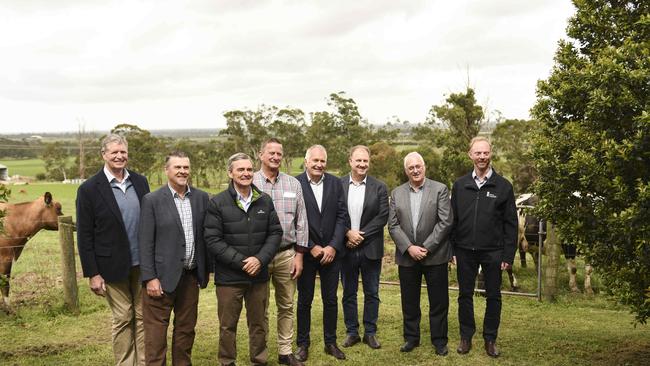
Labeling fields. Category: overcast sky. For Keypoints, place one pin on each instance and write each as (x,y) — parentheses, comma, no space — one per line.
(178,64)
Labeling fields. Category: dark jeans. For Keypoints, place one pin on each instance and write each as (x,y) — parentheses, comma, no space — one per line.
(329,283)
(355,262)
(468,262)
(410,282)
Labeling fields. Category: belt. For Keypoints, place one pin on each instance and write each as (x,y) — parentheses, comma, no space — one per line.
(285,248)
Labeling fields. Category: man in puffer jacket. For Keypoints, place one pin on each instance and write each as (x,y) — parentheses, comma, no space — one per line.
(243,233)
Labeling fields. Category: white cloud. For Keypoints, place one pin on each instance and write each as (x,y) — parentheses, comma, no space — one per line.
(170,63)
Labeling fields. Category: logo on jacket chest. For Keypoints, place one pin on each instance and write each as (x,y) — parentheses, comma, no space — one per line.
(490,195)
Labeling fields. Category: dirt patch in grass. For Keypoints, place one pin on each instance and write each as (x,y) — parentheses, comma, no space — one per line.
(39,351)
(628,353)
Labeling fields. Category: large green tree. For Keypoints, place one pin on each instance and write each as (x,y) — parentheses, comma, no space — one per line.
(449,128)
(593,152)
(512,148)
(55,158)
(145,150)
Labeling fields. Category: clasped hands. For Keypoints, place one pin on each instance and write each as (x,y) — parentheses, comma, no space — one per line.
(355,238)
(326,254)
(417,253)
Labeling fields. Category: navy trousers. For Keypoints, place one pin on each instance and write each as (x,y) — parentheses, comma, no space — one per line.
(355,263)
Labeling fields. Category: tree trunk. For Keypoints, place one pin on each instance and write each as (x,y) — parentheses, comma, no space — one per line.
(552,248)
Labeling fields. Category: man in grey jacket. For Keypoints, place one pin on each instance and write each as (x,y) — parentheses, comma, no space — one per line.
(173,262)
(419,222)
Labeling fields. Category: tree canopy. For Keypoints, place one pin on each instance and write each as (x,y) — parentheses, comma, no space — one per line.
(593,151)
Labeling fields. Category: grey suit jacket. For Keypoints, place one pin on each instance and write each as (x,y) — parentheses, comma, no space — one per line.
(162,239)
(433,227)
(373,217)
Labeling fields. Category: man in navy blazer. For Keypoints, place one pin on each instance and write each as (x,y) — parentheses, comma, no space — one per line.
(326,215)
(367,202)
(108,215)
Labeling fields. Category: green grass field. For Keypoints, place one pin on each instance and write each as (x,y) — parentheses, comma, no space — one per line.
(575,330)
(24,167)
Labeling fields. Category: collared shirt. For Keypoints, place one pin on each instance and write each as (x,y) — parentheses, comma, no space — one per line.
(289,203)
(415,195)
(184,208)
(245,201)
(317,188)
(123,185)
(356,196)
(480,182)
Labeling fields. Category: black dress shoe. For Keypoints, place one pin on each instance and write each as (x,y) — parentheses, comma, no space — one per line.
(442,350)
(464,346)
(333,350)
(302,353)
(371,341)
(351,340)
(491,349)
(289,359)
(408,346)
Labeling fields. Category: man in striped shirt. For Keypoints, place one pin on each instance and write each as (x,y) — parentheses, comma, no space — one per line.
(286,267)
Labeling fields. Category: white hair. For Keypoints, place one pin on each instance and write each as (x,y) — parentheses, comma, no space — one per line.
(313,147)
(413,154)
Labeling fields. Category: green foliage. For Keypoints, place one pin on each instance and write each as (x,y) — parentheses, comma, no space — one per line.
(385,164)
(595,140)
(55,159)
(145,150)
(450,127)
(511,141)
(342,129)
(4,197)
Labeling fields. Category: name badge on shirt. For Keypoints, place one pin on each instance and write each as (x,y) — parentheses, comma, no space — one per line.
(289,195)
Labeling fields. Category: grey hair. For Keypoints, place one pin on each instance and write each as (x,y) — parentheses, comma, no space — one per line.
(238,156)
(413,154)
(113,138)
(312,147)
(477,139)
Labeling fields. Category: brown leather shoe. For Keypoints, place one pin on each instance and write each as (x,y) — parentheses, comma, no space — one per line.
(464,346)
(351,340)
(289,359)
(333,350)
(302,353)
(491,349)
(372,341)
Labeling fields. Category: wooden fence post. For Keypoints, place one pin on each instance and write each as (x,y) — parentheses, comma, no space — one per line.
(552,245)
(70,289)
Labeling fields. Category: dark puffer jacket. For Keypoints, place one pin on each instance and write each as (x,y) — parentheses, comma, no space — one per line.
(232,235)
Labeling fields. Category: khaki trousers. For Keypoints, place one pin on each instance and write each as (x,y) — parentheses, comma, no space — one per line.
(156,313)
(229,306)
(125,300)
(285,288)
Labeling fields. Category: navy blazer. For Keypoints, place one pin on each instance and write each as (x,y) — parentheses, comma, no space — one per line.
(326,227)
(101,235)
(373,217)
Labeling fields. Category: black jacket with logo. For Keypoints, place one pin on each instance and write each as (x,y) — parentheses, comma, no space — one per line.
(232,235)
(485,218)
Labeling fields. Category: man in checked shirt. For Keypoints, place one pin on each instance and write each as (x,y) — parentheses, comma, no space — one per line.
(173,262)
(286,267)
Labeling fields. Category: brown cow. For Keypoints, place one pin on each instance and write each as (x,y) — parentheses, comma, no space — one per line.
(21,222)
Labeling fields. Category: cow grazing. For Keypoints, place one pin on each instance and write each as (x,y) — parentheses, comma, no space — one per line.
(21,222)
(529,241)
